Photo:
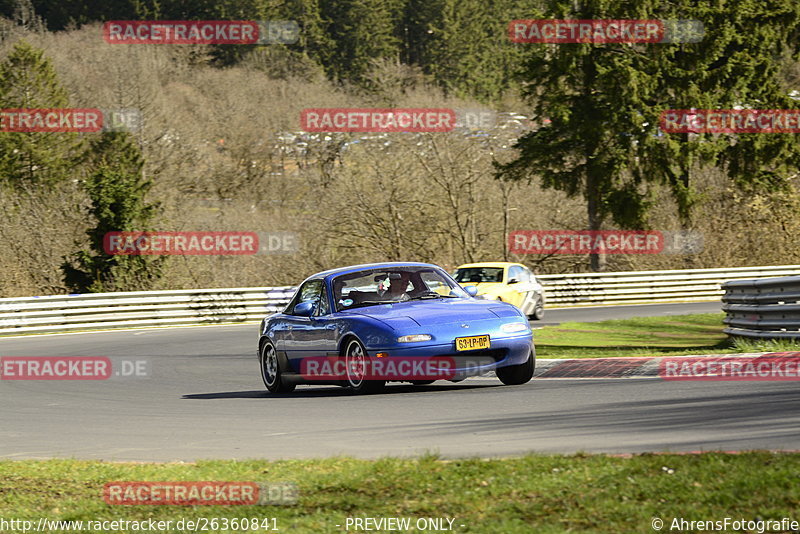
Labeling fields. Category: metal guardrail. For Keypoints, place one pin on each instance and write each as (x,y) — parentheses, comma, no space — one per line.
(94,311)
(65,313)
(641,287)
(767,308)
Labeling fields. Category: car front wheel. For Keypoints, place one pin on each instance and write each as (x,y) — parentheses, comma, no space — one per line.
(356,365)
(271,370)
(514,375)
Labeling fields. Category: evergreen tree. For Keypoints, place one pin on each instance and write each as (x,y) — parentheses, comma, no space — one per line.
(361,31)
(61,14)
(314,43)
(28,80)
(737,64)
(604,102)
(26,17)
(585,92)
(117,191)
(464,44)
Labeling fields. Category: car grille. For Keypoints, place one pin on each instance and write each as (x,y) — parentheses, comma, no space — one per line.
(478,356)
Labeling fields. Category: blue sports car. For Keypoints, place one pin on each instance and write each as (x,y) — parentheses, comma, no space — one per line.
(365,325)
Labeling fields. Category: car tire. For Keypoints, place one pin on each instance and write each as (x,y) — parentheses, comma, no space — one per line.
(355,357)
(538,310)
(271,372)
(514,375)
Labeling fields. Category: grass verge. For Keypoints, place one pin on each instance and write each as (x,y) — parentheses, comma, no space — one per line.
(537,493)
(675,335)
(741,344)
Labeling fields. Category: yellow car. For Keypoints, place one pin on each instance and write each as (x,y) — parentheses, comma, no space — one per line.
(509,282)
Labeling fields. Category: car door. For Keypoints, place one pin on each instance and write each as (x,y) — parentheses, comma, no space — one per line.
(320,337)
(296,326)
(310,336)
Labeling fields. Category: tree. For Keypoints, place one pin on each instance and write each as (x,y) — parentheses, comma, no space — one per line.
(117,193)
(604,102)
(61,14)
(28,80)
(25,15)
(738,63)
(589,94)
(361,31)
(464,44)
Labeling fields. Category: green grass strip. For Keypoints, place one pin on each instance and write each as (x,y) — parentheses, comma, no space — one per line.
(537,493)
(677,335)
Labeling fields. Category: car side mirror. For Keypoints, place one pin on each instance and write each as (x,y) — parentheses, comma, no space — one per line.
(305,308)
(471,290)
(513,281)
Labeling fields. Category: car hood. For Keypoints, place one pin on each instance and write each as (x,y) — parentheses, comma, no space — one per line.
(437,312)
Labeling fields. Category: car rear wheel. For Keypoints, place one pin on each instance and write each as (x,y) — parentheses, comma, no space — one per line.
(538,310)
(514,375)
(271,372)
(356,361)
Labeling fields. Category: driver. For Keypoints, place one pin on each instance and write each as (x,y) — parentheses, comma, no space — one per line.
(399,286)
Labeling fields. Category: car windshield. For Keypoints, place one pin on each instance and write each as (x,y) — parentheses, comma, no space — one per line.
(477,275)
(395,284)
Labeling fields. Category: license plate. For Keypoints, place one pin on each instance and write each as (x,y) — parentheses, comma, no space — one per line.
(472,343)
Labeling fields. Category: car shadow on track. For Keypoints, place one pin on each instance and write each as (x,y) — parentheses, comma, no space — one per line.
(336,391)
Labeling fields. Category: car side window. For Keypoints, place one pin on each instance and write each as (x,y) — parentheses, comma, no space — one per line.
(310,291)
(324,307)
(524,275)
(514,272)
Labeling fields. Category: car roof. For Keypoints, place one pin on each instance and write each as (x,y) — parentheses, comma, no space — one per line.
(499,264)
(367,266)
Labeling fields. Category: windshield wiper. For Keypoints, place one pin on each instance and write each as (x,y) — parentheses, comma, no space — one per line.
(432,295)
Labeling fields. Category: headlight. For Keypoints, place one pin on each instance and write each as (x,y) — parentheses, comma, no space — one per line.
(414,337)
(514,327)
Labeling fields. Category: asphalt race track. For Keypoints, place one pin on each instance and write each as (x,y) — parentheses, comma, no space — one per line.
(203,398)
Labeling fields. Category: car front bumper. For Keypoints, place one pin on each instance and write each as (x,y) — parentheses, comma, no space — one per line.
(503,352)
